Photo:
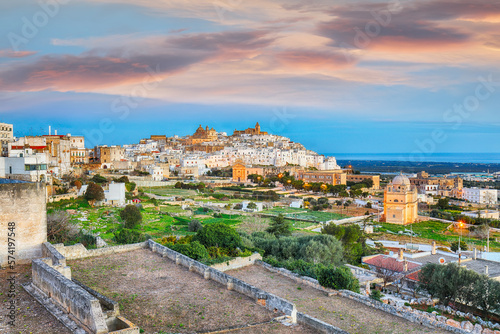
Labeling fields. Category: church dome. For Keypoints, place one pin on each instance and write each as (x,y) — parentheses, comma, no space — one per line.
(401,180)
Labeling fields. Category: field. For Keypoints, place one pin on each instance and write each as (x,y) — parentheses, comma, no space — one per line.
(306,214)
(162,297)
(438,231)
(164,219)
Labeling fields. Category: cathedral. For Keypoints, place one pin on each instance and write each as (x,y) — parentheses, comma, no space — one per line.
(250,131)
(401,201)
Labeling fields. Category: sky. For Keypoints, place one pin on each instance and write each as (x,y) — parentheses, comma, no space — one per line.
(415,76)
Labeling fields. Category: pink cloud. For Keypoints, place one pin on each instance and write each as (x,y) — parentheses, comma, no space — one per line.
(313,60)
(15,54)
(100,68)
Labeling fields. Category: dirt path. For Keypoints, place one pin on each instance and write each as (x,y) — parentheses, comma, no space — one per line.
(344,313)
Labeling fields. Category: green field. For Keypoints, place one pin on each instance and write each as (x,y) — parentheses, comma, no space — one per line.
(305,214)
(434,230)
(171,191)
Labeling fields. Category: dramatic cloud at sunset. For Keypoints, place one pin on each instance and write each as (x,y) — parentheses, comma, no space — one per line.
(326,61)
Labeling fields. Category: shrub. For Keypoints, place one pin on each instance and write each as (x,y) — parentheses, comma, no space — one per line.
(128,236)
(454,246)
(131,215)
(218,235)
(339,278)
(377,295)
(130,186)
(194,250)
(194,225)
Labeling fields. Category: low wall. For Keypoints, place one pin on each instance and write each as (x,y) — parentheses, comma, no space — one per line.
(239,262)
(318,324)
(58,260)
(57,198)
(71,297)
(309,281)
(405,312)
(79,251)
(268,300)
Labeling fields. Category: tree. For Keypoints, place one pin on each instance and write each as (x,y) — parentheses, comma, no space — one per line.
(218,235)
(279,227)
(339,278)
(123,179)
(77,184)
(99,179)
(252,206)
(486,293)
(443,203)
(454,246)
(130,186)
(94,193)
(194,225)
(59,228)
(131,215)
(326,250)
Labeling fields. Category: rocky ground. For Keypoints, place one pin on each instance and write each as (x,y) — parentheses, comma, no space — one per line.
(31,317)
(161,297)
(344,313)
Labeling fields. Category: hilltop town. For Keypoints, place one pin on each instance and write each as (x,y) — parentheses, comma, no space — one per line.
(249,232)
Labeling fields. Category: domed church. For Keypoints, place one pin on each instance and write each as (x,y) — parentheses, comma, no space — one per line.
(400,201)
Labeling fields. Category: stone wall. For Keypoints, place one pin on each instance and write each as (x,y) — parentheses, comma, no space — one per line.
(408,313)
(309,281)
(268,300)
(69,296)
(239,262)
(79,251)
(318,324)
(25,205)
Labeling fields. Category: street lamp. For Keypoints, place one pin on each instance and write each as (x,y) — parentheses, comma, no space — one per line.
(460,226)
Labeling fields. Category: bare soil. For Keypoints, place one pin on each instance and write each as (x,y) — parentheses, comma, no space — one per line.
(344,313)
(31,317)
(162,297)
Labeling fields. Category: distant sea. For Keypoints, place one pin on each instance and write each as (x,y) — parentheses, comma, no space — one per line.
(483,158)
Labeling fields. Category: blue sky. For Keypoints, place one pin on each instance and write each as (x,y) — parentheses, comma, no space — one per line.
(337,76)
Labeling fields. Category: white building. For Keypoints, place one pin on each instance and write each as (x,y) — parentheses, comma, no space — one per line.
(156,173)
(25,165)
(6,137)
(481,196)
(115,195)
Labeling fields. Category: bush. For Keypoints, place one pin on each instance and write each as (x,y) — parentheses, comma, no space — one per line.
(194,225)
(377,295)
(131,215)
(130,186)
(194,250)
(99,179)
(339,278)
(128,236)
(218,235)
(454,246)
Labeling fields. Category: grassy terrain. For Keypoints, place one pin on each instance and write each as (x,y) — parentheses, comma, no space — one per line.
(305,214)
(157,221)
(438,231)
